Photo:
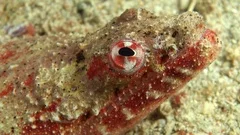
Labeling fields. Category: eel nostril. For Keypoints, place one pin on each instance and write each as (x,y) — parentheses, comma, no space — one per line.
(126,51)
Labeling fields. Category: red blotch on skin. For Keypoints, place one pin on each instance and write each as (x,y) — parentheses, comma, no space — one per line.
(6,55)
(172,72)
(113,118)
(47,127)
(96,68)
(137,102)
(29,81)
(86,128)
(7,90)
(51,108)
(42,128)
(191,58)
(211,36)
(67,127)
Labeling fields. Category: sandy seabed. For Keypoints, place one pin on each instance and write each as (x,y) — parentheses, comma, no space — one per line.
(208,105)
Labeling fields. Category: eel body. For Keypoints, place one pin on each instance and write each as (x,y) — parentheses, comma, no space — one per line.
(103,83)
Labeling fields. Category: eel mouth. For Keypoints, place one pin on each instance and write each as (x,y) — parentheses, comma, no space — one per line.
(210,41)
(210,35)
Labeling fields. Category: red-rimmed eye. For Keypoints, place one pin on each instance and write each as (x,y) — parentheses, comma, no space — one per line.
(126,56)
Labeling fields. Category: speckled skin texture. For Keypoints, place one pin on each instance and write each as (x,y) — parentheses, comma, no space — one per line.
(65,84)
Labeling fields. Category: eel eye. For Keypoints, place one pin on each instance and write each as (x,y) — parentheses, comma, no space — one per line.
(126,56)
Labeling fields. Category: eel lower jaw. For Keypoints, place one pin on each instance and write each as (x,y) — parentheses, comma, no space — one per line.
(211,43)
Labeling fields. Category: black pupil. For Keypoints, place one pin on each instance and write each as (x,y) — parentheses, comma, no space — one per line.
(125,51)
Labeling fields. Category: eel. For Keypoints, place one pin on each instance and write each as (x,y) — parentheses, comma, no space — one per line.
(103,83)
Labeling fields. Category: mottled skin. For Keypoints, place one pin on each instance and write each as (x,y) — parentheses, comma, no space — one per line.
(65,84)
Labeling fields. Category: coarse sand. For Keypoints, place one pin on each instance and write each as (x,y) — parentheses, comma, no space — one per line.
(208,105)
